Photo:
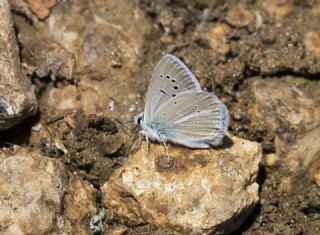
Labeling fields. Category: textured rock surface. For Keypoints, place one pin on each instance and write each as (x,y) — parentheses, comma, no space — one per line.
(31,190)
(17,98)
(239,17)
(79,206)
(196,192)
(275,108)
(95,49)
(305,152)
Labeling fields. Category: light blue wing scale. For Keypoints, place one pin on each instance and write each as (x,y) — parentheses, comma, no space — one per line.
(194,119)
(170,78)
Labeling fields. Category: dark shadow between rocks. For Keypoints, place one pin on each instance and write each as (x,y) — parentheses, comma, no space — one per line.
(20,133)
(253,216)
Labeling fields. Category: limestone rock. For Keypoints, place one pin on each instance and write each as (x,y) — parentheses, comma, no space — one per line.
(193,192)
(31,190)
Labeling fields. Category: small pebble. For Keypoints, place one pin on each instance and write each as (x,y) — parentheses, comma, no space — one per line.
(239,17)
(317,178)
(271,160)
(312,43)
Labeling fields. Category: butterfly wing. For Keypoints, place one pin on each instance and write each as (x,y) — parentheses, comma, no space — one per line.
(194,119)
(170,77)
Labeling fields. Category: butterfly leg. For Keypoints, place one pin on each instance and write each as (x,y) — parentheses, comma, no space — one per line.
(147,139)
(166,148)
(141,134)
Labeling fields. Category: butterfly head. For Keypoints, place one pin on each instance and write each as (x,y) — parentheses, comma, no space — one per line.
(139,118)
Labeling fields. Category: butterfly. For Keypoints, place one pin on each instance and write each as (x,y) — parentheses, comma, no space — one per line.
(179,111)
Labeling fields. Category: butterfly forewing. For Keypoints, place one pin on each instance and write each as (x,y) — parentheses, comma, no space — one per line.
(170,78)
(194,119)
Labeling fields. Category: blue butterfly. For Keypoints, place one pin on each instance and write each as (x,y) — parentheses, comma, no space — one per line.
(179,111)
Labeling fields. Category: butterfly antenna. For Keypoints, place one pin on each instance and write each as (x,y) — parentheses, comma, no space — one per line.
(124,127)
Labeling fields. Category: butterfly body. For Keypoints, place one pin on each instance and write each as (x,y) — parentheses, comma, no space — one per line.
(177,110)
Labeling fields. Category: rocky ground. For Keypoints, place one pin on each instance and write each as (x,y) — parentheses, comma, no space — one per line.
(75,166)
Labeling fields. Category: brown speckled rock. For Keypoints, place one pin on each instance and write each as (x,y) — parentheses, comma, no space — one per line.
(79,206)
(31,191)
(196,192)
(273,107)
(304,152)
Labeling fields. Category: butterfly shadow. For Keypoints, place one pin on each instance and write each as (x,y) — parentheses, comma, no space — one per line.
(227,142)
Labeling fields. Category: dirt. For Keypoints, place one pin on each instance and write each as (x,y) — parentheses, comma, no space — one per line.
(93,143)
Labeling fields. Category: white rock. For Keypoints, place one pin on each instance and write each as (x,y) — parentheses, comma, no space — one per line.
(197,192)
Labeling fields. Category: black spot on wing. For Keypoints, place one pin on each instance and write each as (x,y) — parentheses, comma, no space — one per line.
(163,92)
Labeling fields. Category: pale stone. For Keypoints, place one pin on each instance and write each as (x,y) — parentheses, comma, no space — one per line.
(271,159)
(195,192)
(317,178)
(312,43)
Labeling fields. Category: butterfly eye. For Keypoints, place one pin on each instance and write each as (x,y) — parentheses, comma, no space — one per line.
(168,76)
(173,95)
(175,87)
(161,75)
(173,80)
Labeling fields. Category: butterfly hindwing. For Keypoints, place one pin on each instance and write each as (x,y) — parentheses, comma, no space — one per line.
(194,119)
(170,78)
